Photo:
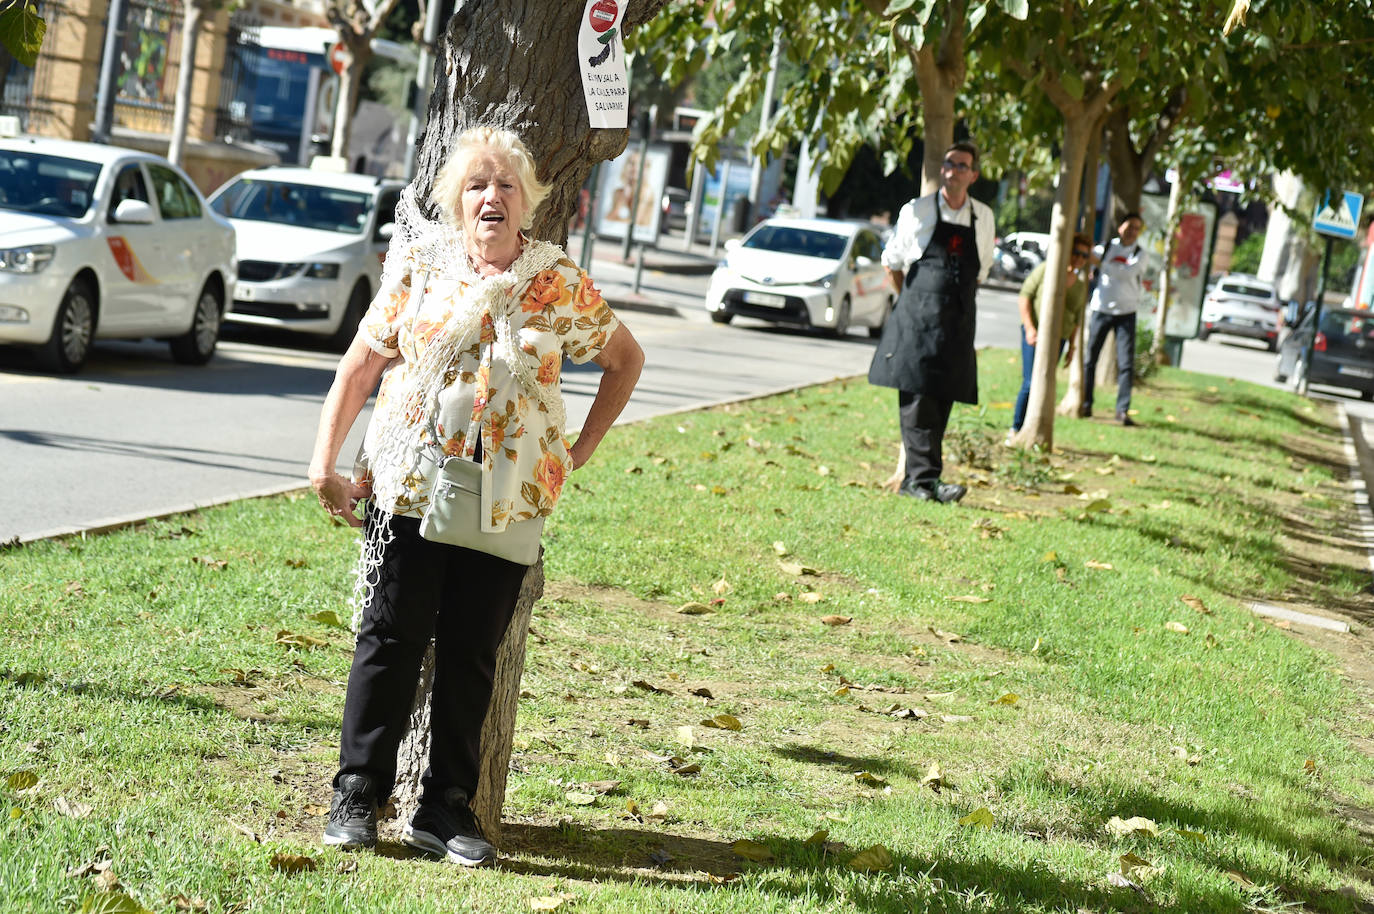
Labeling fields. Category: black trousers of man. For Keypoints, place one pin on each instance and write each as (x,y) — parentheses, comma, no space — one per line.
(923,419)
(1098,328)
(463,599)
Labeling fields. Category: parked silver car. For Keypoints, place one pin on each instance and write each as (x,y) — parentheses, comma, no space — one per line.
(1242,305)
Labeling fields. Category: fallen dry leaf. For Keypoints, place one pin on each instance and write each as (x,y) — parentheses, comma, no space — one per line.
(550,902)
(577,798)
(291,864)
(195,905)
(1199,837)
(210,562)
(934,778)
(948,637)
(694,609)
(649,687)
(752,850)
(722,587)
(979,818)
(328,617)
(817,838)
(1240,879)
(72,809)
(875,859)
(836,620)
(796,569)
(21,780)
(1135,825)
(702,692)
(810,596)
(293,641)
(1176,627)
(1099,566)
(686,736)
(1196,604)
(723,722)
(779,549)
(868,779)
(1136,868)
(970,599)
(1009,698)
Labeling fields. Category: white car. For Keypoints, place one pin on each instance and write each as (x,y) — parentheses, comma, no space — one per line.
(102,242)
(1242,305)
(822,273)
(310,247)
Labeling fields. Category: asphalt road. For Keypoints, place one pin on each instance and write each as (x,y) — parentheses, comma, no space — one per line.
(136,436)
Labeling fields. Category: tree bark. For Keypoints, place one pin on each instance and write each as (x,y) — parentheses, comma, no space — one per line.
(502,63)
(350,86)
(1073,396)
(186,71)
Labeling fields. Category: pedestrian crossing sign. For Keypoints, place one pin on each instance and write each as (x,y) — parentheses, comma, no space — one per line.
(1338,213)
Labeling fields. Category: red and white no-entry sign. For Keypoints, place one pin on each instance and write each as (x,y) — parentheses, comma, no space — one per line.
(602,15)
(338,57)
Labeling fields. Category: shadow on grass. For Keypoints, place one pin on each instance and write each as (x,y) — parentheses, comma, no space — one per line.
(818,876)
(172,696)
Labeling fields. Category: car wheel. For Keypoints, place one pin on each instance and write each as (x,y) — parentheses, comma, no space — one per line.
(1203,334)
(72,331)
(1298,380)
(1273,345)
(358,300)
(722,316)
(197,345)
(841,328)
(1367,395)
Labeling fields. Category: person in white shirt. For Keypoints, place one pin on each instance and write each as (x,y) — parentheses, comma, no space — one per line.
(939,252)
(1121,273)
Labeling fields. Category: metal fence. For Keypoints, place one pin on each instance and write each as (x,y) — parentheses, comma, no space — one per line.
(149,57)
(26,87)
(234,114)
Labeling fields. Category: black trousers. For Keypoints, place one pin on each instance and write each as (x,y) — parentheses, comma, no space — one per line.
(1098,327)
(464,600)
(923,419)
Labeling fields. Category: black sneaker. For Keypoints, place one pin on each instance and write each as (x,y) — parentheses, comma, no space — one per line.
(353,813)
(943,492)
(1125,420)
(448,828)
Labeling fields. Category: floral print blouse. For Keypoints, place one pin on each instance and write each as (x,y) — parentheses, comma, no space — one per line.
(524,454)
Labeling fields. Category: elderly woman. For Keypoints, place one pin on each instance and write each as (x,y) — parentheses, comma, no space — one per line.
(470,327)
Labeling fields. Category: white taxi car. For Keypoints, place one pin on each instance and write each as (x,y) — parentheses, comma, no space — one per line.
(824,273)
(310,247)
(103,242)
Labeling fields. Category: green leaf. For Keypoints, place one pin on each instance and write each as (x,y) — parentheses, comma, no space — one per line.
(112,903)
(21,780)
(21,32)
(1016,9)
(328,617)
(1072,83)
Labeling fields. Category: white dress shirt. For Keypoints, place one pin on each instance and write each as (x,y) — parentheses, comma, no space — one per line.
(1119,278)
(916,225)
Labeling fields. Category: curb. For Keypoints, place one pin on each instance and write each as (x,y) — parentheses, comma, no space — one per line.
(1359,458)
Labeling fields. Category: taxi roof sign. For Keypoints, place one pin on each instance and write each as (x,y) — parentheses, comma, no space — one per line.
(1338,214)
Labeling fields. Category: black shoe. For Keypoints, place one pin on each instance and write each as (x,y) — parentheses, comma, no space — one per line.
(353,813)
(1085,412)
(949,492)
(943,492)
(1125,420)
(448,828)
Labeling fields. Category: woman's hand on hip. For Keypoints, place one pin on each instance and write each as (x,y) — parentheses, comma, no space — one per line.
(340,496)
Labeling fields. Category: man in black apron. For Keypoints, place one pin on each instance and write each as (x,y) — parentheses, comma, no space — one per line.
(935,259)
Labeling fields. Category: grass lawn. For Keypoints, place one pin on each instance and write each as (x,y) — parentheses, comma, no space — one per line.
(1049,698)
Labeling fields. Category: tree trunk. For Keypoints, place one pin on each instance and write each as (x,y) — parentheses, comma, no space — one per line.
(186,71)
(497,731)
(5,60)
(1073,397)
(350,86)
(1157,351)
(1128,168)
(536,92)
(1038,428)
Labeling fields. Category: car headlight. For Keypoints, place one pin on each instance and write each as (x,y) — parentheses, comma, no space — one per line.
(824,282)
(322,271)
(31,259)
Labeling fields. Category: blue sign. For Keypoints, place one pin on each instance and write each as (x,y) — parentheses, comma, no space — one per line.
(1338,214)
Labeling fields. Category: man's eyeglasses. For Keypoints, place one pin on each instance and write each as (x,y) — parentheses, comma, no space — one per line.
(1079,252)
(956,166)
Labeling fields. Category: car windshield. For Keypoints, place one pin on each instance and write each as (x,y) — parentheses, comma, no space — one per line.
(328,209)
(804,242)
(46,185)
(1250,289)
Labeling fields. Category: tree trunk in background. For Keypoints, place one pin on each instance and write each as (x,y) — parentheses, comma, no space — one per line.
(186,71)
(536,91)
(1038,428)
(350,87)
(1073,397)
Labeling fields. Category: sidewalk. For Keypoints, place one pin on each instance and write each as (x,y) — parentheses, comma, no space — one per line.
(672,279)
